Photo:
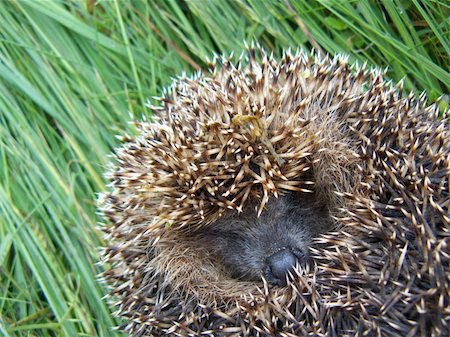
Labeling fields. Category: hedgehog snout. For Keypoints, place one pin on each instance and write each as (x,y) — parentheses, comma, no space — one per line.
(280,264)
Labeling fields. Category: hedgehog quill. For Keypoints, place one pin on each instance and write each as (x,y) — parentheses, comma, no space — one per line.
(296,197)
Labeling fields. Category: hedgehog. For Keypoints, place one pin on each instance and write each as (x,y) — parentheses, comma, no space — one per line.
(298,196)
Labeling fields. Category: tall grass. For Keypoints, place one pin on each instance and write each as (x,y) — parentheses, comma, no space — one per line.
(74,73)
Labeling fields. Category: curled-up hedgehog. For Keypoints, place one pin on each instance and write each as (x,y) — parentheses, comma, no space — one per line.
(297,197)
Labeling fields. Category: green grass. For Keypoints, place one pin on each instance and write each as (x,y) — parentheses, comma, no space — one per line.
(73,74)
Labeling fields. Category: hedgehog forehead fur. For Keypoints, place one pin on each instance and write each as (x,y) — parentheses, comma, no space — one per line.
(254,131)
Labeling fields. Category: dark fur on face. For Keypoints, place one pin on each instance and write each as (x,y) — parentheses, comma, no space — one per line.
(244,242)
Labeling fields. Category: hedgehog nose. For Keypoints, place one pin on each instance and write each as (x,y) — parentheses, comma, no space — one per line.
(279,264)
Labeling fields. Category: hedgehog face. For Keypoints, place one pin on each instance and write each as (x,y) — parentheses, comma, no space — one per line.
(272,244)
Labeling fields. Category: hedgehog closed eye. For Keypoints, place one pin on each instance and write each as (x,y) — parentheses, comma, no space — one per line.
(296,197)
